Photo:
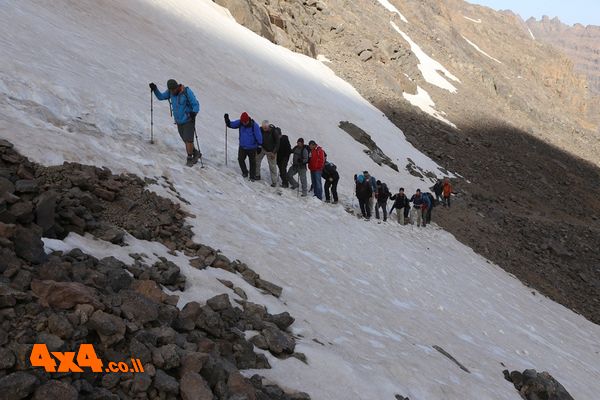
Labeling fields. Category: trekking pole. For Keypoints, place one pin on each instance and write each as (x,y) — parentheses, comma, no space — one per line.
(151,118)
(226,145)
(198,145)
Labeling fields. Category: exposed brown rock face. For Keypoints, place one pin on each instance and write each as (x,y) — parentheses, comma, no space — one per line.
(580,43)
(534,87)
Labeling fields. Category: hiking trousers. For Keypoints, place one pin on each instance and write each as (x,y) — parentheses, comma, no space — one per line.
(301,171)
(333,186)
(251,155)
(447,201)
(402,215)
(417,216)
(282,163)
(383,206)
(317,185)
(272,160)
(364,207)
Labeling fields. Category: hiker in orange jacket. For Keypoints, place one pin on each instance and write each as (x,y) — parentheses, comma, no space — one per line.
(447,192)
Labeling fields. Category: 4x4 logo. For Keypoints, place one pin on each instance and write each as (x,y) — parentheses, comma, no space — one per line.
(69,362)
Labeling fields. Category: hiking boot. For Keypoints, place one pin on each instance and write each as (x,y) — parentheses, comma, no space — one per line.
(327,201)
(334,202)
(257,178)
(191,160)
(245,174)
(273,185)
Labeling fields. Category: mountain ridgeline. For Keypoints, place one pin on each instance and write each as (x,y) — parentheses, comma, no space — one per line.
(580,43)
(504,73)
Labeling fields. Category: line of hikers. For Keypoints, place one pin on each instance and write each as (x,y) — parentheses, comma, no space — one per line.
(256,142)
(372,193)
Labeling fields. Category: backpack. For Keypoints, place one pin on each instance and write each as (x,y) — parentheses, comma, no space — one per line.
(330,167)
(385,191)
(187,100)
(307,148)
(431,199)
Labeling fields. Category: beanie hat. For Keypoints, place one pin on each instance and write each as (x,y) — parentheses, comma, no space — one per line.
(244,118)
(172,84)
(312,142)
(300,140)
(361,179)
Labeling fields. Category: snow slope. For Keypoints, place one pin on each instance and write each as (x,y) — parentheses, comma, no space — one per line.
(481,51)
(423,101)
(377,296)
(392,8)
(433,72)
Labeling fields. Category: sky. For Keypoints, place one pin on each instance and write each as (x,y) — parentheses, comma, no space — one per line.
(570,12)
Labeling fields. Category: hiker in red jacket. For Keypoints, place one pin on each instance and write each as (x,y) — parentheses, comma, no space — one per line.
(316,163)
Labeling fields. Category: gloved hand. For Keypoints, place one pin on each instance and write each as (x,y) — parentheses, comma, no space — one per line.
(258,150)
(227,120)
(193,116)
(153,86)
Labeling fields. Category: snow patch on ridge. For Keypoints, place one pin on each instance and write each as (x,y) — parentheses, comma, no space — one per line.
(392,8)
(481,51)
(433,72)
(531,33)
(423,101)
(477,21)
(323,58)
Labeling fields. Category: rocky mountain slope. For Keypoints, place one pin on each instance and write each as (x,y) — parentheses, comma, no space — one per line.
(66,298)
(580,43)
(502,73)
(520,112)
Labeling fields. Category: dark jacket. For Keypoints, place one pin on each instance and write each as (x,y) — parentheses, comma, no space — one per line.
(382,194)
(285,148)
(330,171)
(271,139)
(423,201)
(400,200)
(363,190)
(417,200)
(437,188)
(300,156)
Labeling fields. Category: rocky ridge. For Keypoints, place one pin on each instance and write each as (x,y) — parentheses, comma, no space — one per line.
(64,299)
(580,43)
(533,87)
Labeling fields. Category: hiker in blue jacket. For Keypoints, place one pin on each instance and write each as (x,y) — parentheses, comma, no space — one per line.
(250,142)
(184,108)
